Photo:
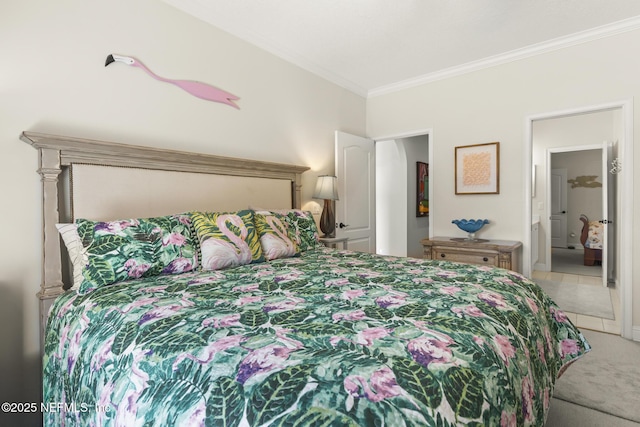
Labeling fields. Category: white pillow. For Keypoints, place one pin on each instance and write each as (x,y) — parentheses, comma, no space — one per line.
(71,238)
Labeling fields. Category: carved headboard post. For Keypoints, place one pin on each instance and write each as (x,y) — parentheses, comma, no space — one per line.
(52,286)
(297,191)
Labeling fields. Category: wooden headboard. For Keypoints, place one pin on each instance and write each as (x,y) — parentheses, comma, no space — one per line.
(58,154)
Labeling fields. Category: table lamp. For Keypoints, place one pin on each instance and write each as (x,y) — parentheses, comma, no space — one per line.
(326,189)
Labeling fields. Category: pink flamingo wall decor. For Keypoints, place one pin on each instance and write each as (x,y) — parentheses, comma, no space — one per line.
(198,89)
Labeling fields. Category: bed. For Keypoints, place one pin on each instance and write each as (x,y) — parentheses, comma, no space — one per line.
(591,239)
(301,336)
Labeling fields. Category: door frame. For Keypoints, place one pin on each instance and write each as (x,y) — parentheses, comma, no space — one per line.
(625,243)
(409,134)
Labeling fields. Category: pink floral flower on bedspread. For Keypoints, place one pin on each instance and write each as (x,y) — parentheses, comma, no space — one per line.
(178,265)
(422,280)
(162,312)
(337,282)
(492,299)
(528,396)
(382,382)
(427,350)
(247,288)
(175,239)
(450,290)
(222,322)
(115,226)
(478,340)
(541,352)
(208,353)
(568,346)
(292,275)
(351,315)
(198,415)
(263,360)
(391,300)
(135,270)
(367,336)
(558,315)
(532,305)
(505,349)
(470,310)
(352,294)
(508,419)
(446,274)
(291,303)
(248,300)
(103,354)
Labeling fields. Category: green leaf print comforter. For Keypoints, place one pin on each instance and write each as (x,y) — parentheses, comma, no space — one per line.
(330,338)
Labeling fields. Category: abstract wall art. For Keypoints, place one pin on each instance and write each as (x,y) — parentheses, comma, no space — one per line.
(477,169)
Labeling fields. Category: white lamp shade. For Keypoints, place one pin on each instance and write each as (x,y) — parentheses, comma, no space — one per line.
(326,188)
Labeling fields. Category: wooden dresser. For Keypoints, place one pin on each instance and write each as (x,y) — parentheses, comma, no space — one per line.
(499,253)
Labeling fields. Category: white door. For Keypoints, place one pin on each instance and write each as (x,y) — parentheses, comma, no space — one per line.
(355,209)
(607,235)
(558,216)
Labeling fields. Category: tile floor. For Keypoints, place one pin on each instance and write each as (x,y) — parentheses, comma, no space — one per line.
(580,320)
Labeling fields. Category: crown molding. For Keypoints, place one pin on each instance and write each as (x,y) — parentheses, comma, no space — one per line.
(618,27)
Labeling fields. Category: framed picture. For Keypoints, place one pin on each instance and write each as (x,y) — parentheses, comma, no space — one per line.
(477,169)
(422,206)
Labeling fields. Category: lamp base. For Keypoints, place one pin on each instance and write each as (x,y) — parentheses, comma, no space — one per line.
(328,219)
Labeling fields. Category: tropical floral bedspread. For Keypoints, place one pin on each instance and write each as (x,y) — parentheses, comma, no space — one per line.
(333,338)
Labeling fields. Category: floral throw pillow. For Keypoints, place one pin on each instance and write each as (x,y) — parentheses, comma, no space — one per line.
(227,239)
(301,224)
(133,248)
(305,229)
(276,237)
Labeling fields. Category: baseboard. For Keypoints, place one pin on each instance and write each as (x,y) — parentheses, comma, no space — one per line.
(635,333)
(541,267)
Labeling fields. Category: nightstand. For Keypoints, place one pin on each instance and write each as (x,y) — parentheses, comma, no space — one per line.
(333,241)
(499,253)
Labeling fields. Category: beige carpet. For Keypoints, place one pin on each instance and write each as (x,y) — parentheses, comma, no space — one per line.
(606,379)
(567,414)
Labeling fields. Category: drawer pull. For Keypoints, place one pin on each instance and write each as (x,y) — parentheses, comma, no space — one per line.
(485,259)
(442,255)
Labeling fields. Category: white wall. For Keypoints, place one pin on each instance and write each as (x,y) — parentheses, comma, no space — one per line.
(391,198)
(53,80)
(492,105)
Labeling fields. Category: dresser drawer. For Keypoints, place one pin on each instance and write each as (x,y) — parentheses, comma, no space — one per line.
(499,253)
(468,256)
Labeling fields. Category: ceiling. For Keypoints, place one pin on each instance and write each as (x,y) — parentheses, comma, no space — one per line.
(377,46)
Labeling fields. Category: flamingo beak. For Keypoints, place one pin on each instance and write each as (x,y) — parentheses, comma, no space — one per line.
(117,58)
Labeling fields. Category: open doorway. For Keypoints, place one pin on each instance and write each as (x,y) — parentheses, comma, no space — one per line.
(399,229)
(568,150)
(583,205)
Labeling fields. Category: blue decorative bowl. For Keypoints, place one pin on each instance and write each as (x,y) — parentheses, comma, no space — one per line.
(470,226)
